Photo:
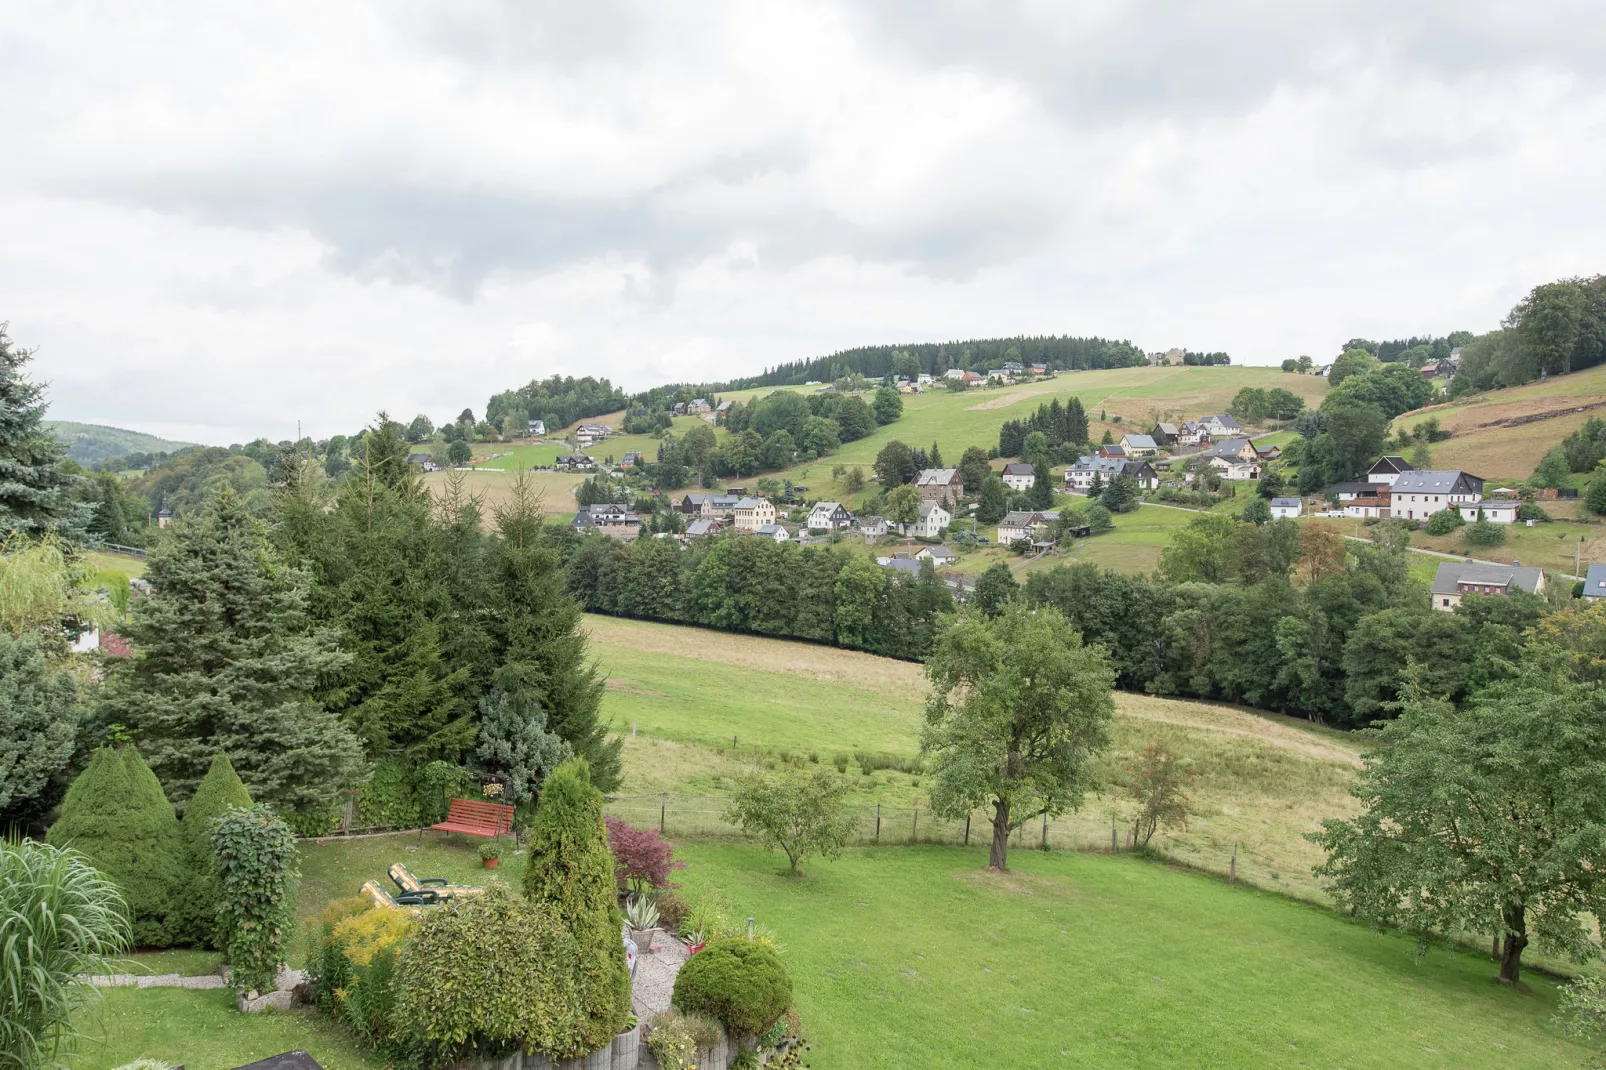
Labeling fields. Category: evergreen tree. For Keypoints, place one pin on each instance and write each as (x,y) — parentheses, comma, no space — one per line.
(514,742)
(1040,496)
(1075,422)
(994,501)
(935,456)
(226,661)
(38,727)
(194,917)
(37,483)
(116,815)
(570,873)
(1595,497)
(1095,488)
(1120,496)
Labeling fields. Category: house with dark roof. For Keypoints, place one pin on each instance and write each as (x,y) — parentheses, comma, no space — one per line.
(1165,434)
(1595,582)
(425,461)
(1113,449)
(1456,580)
(692,504)
(704,526)
(773,532)
(1387,470)
(940,556)
(1418,494)
(1286,508)
(608,518)
(829,516)
(573,461)
(1079,476)
(1018,475)
(1023,524)
(1219,424)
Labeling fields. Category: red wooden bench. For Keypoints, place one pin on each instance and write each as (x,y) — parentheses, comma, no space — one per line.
(477,818)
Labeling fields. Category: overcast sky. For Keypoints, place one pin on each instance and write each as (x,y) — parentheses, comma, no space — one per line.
(216,219)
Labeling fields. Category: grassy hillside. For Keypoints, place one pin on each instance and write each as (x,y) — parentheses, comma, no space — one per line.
(1262,781)
(88,443)
(1502,434)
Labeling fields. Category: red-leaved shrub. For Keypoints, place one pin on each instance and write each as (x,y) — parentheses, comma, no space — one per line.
(641,858)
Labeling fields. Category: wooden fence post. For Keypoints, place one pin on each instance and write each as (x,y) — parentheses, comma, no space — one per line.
(1232,869)
(1114,847)
(967,830)
(1045,830)
(878,822)
(663,811)
(914,832)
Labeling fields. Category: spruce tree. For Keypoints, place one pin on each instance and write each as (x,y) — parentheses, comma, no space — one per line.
(1040,496)
(195,911)
(37,482)
(116,815)
(570,872)
(227,661)
(38,727)
(994,503)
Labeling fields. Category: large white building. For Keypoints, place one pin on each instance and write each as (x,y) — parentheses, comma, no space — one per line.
(754,513)
(829,516)
(1418,494)
(934,520)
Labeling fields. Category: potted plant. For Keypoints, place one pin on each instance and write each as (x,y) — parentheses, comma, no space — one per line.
(642,916)
(490,854)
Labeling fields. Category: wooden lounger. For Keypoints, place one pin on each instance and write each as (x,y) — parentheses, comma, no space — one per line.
(411,885)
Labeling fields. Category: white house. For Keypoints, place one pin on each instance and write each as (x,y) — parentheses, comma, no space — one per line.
(1286,508)
(753,513)
(1079,477)
(1219,424)
(1455,580)
(1595,583)
(1018,475)
(612,519)
(829,516)
(536,427)
(940,556)
(873,527)
(1417,495)
(425,462)
(1023,525)
(773,532)
(1234,469)
(1140,445)
(1387,470)
(934,520)
(1503,512)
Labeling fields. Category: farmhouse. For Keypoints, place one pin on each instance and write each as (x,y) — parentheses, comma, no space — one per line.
(1022,524)
(699,406)
(573,461)
(1387,470)
(1219,424)
(753,513)
(536,427)
(773,532)
(1493,512)
(935,484)
(425,462)
(829,516)
(1456,580)
(1595,582)
(1165,434)
(1139,445)
(940,556)
(609,519)
(1417,495)
(692,504)
(1018,475)
(934,520)
(1286,508)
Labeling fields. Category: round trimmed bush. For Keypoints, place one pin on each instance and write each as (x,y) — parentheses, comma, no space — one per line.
(1444,522)
(116,816)
(741,983)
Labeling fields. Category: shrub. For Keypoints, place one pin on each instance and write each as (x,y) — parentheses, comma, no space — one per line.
(256,866)
(389,798)
(495,974)
(642,859)
(742,984)
(59,918)
(676,1038)
(1530,510)
(490,850)
(569,872)
(369,944)
(672,910)
(116,816)
(1483,533)
(799,812)
(195,909)
(1445,522)
(328,968)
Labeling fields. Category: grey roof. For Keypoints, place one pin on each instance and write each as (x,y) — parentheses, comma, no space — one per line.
(1230,447)
(936,477)
(1595,582)
(1453,573)
(1285,503)
(1221,419)
(939,551)
(1166,429)
(1141,442)
(1435,481)
(773,530)
(1368,489)
(748,503)
(1017,468)
(702,526)
(909,565)
(1109,465)
(725,501)
(1021,518)
(829,507)
(929,507)
(1498,506)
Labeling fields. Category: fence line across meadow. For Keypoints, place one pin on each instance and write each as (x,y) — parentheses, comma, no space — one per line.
(1084,830)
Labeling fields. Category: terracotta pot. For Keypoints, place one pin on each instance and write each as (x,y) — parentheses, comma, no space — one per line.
(489,863)
(694,948)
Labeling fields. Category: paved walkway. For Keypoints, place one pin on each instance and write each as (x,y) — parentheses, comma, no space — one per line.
(655,975)
(155,980)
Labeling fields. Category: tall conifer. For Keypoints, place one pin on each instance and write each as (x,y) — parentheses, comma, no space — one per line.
(37,482)
(195,911)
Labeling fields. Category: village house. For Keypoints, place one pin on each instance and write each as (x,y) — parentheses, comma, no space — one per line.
(536,427)
(940,556)
(1018,475)
(1220,425)
(1139,445)
(1235,470)
(829,516)
(1504,512)
(753,513)
(1286,508)
(692,503)
(900,563)
(1455,580)
(572,461)
(872,527)
(699,406)
(934,520)
(1165,434)
(1037,369)
(1193,434)
(704,526)
(1361,501)
(1270,453)
(721,504)
(1023,524)
(630,459)
(1417,495)
(1595,582)
(773,532)
(425,462)
(1387,470)
(935,484)
(610,519)
(1079,477)
(1012,368)
(1240,449)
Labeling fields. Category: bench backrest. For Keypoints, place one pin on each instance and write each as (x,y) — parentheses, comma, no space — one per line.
(498,816)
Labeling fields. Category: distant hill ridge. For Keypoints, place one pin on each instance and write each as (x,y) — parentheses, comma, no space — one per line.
(89,443)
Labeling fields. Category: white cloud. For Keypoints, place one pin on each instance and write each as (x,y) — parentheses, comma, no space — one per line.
(218,221)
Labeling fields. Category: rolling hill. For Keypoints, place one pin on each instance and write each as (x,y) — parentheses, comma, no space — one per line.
(88,443)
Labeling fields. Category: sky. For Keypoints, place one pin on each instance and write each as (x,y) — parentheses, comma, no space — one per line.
(219,220)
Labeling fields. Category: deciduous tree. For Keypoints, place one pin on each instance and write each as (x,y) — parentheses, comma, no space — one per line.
(798,811)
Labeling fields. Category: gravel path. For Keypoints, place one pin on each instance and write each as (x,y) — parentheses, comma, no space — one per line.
(154,980)
(655,975)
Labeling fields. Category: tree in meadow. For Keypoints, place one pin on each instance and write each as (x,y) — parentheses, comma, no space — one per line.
(227,661)
(1018,710)
(974,469)
(38,488)
(888,405)
(798,811)
(895,465)
(1484,819)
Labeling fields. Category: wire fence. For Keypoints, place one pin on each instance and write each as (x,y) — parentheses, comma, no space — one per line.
(1084,830)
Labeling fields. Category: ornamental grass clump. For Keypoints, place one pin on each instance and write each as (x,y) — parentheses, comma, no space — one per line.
(740,983)
(195,909)
(60,918)
(116,816)
(569,874)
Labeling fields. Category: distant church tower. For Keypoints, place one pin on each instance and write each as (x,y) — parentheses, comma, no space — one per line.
(164,515)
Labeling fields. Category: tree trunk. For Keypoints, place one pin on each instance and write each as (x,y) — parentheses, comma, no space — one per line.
(1000,851)
(1516,940)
